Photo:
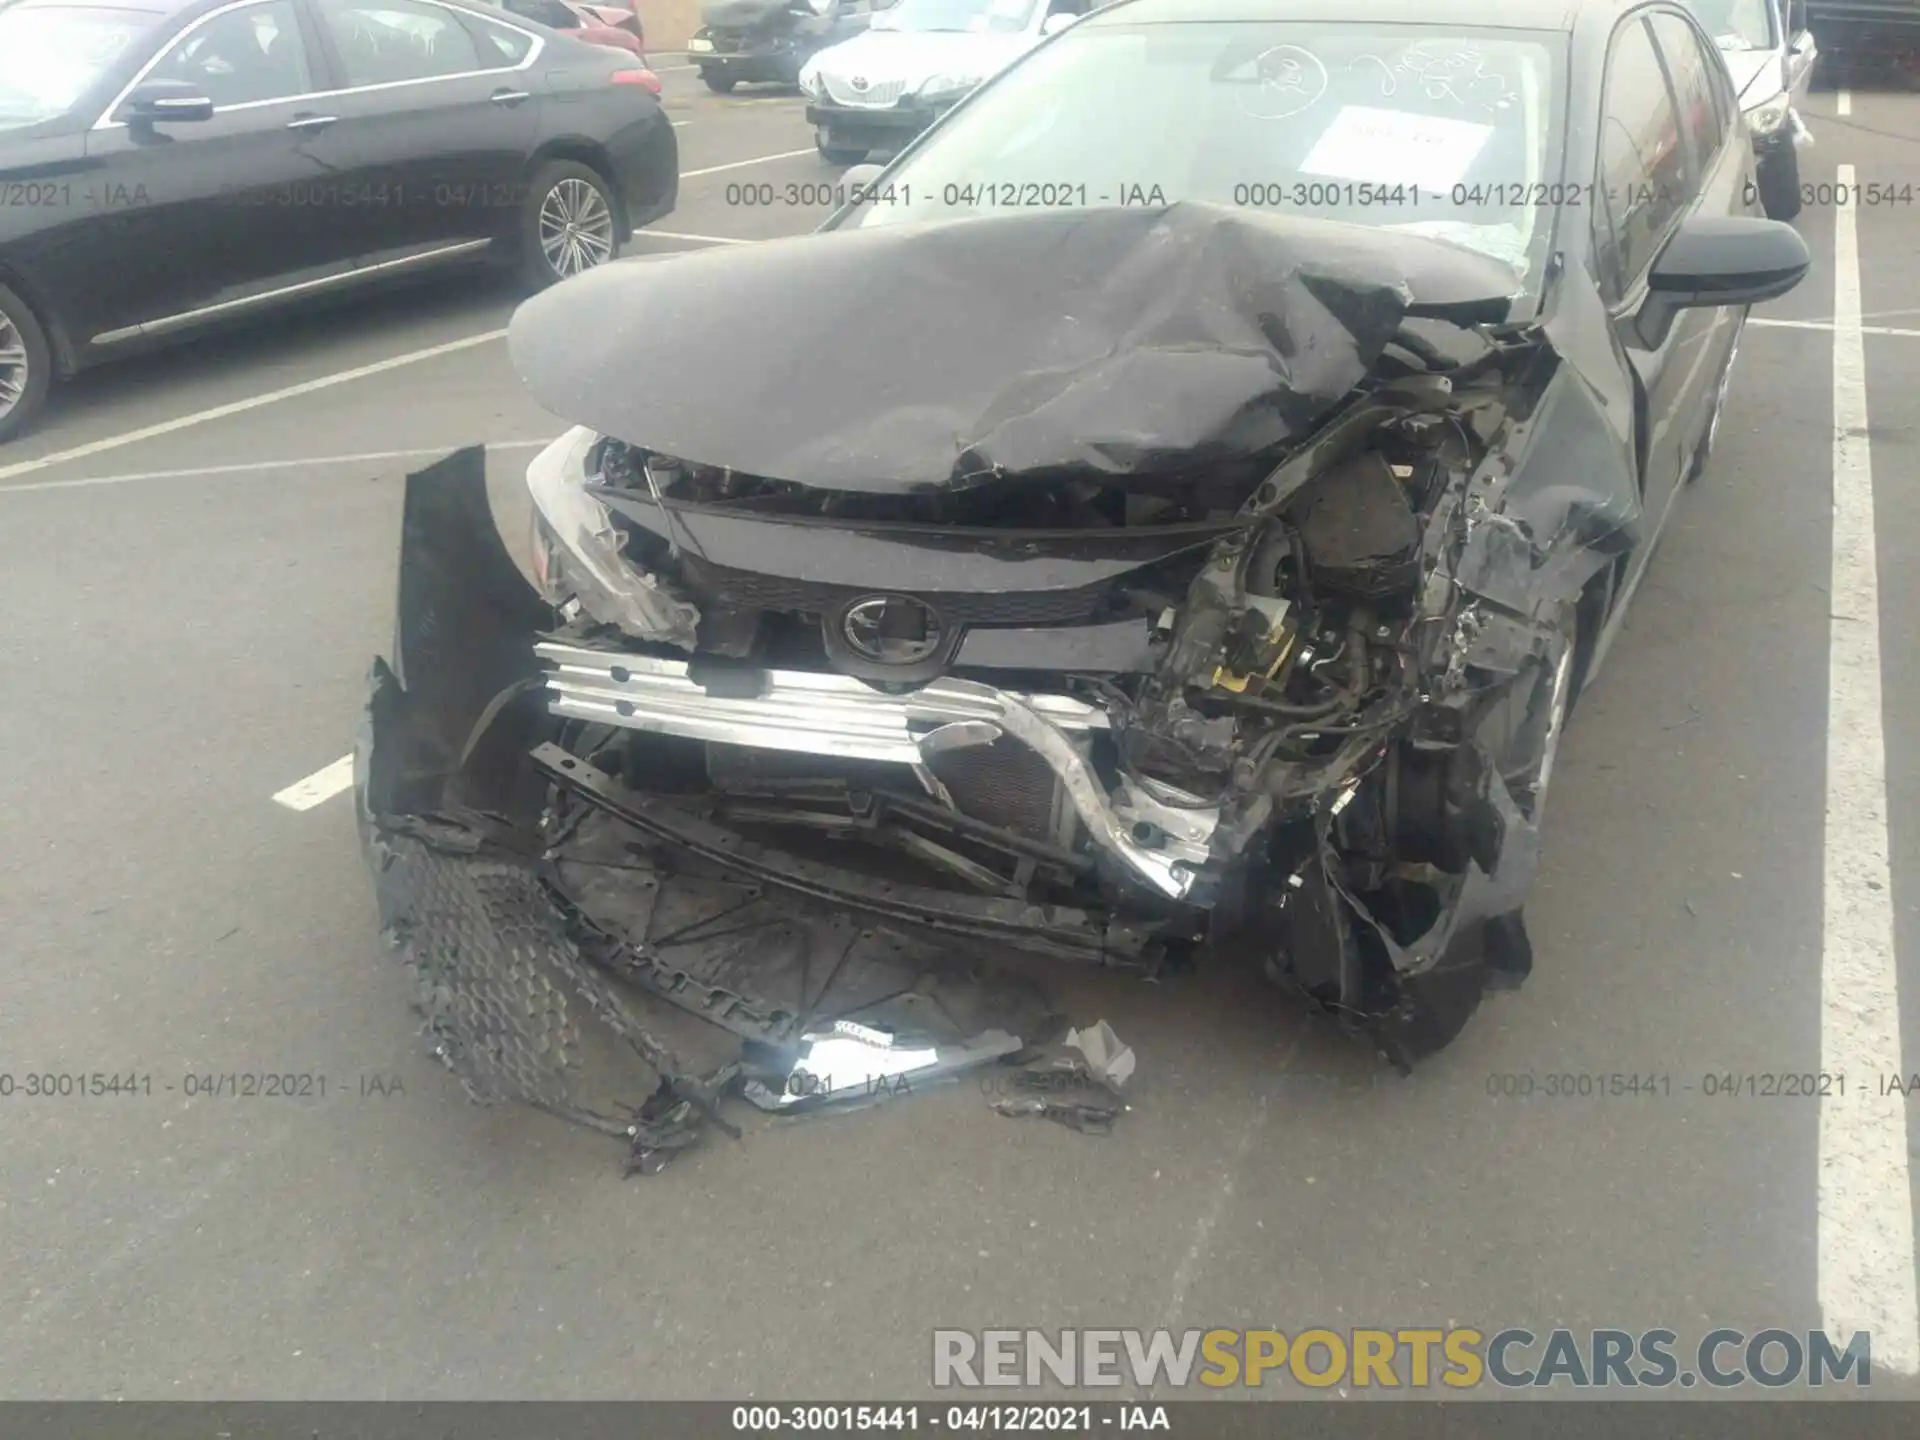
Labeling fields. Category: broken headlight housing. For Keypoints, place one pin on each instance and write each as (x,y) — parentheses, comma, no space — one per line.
(563,542)
(524,531)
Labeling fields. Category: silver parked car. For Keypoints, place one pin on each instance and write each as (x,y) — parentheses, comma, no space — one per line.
(1770,52)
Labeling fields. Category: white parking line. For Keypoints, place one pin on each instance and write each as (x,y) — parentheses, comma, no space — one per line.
(1866,1249)
(742,164)
(1829,324)
(702,239)
(240,407)
(319,787)
(1844,103)
(370,457)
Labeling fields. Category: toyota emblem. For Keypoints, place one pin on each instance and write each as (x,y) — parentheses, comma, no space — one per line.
(859,82)
(892,630)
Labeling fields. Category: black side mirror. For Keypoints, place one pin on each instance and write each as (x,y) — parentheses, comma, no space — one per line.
(1720,261)
(166,100)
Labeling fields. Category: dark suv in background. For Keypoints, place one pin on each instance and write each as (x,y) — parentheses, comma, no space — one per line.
(1857,29)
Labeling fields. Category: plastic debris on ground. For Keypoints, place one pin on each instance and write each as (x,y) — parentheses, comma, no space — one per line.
(1076,1083)
(854,1064)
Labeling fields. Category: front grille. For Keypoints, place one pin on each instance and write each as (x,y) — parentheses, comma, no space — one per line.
(739,39)
(878,95)
(747,590)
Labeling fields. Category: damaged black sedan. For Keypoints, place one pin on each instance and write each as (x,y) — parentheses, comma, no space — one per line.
(1196,569)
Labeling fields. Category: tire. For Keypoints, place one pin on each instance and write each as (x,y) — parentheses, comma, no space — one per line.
(26,366)
(1779,182)
(718,81)
(836,154)
(569,225)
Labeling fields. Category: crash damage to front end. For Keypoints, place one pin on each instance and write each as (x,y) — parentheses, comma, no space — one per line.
(1141,588)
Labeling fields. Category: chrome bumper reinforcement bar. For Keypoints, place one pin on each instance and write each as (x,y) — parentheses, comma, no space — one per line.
(838,716)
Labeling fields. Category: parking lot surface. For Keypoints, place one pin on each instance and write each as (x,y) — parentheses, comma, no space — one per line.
(200,553)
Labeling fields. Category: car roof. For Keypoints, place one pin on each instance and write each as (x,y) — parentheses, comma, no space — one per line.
(1560,15)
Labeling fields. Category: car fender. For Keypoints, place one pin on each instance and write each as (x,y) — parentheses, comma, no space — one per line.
(66,355)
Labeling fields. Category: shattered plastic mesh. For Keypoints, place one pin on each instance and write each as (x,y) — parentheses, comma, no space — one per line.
(494,974)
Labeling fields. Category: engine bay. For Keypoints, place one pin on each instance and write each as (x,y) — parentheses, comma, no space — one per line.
(1264,725)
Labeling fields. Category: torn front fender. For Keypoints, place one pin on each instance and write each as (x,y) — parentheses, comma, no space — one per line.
(537,929)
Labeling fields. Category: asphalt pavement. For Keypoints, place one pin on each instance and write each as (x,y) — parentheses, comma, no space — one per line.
(199,555)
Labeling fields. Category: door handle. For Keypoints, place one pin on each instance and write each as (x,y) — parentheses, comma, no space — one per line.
(509,97)
(305,123)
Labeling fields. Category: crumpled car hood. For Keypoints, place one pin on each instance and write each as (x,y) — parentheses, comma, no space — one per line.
(912,358)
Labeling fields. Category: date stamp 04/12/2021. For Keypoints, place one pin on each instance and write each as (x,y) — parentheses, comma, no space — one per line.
(197,1083)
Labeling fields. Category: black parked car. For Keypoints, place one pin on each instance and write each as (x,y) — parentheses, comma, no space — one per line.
(165,165)
(1169,525)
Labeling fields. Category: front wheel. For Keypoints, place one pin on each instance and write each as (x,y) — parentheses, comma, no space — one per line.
(718,81)
(568,225)
(1779,177)
(836,154)
(26,365)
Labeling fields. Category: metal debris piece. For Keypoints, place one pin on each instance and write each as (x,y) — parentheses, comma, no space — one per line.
(1086,1111)
(662,1127)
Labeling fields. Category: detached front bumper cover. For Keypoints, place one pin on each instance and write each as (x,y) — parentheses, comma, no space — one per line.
(534,923)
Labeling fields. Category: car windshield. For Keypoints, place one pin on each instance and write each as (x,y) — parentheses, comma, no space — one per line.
(1441,130)
(51,55)
(989,17)
(1737,24)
